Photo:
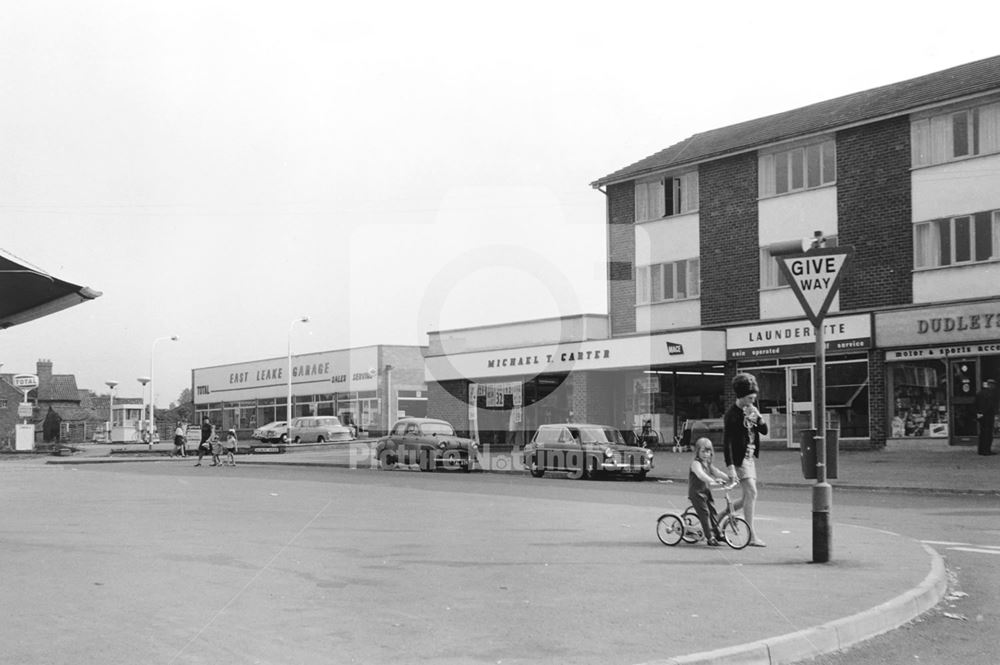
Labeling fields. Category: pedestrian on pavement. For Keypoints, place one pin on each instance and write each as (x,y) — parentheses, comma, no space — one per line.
(205,445)
(986,413)
(229,445)
(742,427)
(180,441)
(702,476)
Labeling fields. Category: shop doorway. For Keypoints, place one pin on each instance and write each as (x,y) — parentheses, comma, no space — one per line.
(964,373)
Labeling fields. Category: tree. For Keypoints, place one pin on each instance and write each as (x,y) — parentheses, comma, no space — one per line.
(183,398)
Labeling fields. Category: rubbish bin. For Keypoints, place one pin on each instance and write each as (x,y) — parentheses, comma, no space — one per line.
(807,451)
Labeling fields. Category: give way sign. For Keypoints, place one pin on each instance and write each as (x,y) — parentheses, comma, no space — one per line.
(815,278)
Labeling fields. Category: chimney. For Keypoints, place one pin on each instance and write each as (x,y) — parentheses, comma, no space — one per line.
(44,371)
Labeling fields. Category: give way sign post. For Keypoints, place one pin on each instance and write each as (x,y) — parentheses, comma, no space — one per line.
(815,279)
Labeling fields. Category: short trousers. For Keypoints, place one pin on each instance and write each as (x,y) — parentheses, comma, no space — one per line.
(748,469)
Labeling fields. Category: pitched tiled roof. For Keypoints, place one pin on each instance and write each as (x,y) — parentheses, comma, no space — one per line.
(62,388)
(956,82)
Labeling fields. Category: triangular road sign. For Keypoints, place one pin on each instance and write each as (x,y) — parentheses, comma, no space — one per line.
(815,278)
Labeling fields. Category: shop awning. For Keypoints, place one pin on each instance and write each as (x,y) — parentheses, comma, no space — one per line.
(27,293)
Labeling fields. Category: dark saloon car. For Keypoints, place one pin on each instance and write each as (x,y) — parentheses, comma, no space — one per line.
(586,451)
(428,442)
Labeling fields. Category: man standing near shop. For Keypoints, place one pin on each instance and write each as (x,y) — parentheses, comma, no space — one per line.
(986,413)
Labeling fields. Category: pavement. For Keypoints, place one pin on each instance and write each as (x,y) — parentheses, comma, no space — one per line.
(897,588)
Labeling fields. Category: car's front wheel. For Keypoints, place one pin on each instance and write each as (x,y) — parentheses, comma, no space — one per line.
(320,439)
(535,470)
(452,459)
(284,438)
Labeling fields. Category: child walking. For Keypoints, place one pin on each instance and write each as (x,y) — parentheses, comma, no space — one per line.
(230,447)
(702,476)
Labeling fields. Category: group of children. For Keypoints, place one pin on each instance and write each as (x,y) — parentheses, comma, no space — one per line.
(216,448)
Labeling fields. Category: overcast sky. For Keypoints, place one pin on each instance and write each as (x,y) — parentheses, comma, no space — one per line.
(219,168)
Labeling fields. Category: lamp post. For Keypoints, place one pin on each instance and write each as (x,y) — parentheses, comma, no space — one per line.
(111,410)
(142,414)
(388,398)
(288,404)
(152,393)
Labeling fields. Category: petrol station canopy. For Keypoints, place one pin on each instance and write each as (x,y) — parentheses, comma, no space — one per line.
(27,293)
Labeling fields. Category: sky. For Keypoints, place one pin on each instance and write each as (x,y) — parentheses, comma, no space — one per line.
(218,169)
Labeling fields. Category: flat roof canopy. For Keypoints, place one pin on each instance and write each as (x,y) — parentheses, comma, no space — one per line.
(27,293)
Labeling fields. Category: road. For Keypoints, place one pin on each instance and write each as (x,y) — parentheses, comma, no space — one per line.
(163,562)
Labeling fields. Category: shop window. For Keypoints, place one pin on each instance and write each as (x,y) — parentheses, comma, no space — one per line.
(919,399)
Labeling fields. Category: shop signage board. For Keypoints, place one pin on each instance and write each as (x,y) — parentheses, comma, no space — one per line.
(619,353)
(815,278)
(25,382)
(974,324)
(341,371)
(842,334)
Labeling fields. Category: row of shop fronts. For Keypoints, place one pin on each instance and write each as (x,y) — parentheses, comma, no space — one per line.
(904,374)
(368,387)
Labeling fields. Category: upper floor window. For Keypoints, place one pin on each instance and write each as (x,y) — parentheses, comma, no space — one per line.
(957,240)
(956,135)
(798,168)
(668,281)
(655,199)
(3,404)
(773,277)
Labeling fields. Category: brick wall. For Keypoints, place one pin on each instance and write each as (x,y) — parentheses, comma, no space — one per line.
(621,257)
(591,398)
(448,400)
(874,214)
(730,255)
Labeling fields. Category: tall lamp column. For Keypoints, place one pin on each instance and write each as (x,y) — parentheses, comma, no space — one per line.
(152,391)
(111,410)
(288,404)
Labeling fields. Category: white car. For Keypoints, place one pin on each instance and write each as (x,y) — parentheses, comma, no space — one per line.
(271,432)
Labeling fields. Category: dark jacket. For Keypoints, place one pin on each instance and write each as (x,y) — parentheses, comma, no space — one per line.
(736,437)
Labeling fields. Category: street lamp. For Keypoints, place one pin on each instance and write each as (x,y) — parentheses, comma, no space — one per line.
(152,393)
(111,410)
(142,414)
(388,398)
(288,404)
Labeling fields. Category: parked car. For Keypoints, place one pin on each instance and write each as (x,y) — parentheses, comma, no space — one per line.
(585,450)
(429,442)
(318,429)
(271,432)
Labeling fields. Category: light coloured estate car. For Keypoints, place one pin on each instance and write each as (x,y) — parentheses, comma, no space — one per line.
(427,442)
(318,429)
(585,450)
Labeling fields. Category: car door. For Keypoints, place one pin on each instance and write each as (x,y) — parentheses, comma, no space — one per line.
(556,451)
(411,443)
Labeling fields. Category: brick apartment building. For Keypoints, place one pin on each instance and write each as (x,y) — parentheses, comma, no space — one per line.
(908,174)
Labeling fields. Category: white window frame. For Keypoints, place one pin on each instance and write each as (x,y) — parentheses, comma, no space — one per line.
(651,196)
(795,166)
(652,281)
(927,247)
(932,137)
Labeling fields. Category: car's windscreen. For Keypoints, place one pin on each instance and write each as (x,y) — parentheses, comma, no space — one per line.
(600,435)
(441,429)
